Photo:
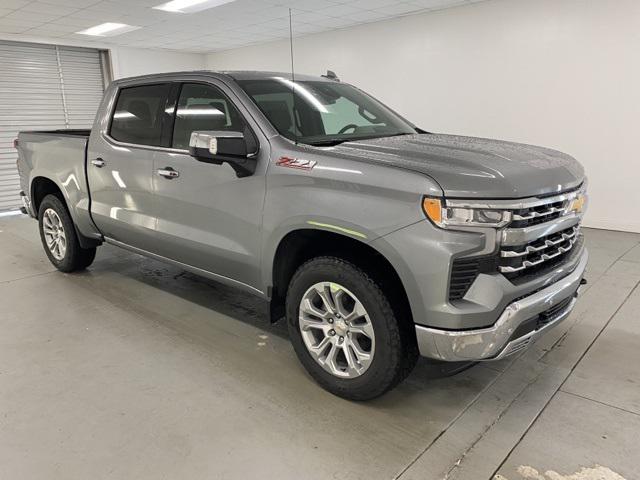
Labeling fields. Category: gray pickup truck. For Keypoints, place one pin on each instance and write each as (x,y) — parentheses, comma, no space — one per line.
(378,241)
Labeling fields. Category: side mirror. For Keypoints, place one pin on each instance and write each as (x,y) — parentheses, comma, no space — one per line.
(225,146)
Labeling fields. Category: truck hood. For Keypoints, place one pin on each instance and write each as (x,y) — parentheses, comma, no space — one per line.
(473,167)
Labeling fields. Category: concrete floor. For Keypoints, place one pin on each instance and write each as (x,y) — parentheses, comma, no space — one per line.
(137,370)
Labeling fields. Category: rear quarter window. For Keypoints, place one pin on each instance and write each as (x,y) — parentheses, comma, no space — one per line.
(137,117)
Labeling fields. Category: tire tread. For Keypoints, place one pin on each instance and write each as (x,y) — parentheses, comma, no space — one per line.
(76,257)
(403,358)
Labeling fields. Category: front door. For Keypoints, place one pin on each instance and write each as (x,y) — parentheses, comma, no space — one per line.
(207,217)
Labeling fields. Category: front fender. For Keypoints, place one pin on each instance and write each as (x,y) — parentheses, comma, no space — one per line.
(360,201)
(302,222)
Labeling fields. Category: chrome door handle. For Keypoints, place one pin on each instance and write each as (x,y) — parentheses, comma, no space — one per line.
(168,172)
(97,162)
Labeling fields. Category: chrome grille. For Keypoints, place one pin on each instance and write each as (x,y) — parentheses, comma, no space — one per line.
(521,257)
(542,233)
(539,214)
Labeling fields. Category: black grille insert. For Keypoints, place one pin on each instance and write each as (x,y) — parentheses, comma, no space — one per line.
(463,274)
(540,320)
(464,271)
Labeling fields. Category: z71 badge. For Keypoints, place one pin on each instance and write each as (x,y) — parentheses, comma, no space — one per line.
(298,163)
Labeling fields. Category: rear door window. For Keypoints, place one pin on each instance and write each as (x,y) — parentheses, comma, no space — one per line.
(138,115)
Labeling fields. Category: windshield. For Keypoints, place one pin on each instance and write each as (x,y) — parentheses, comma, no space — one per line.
(326,113)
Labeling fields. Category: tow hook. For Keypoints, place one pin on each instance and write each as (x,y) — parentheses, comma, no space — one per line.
(583,282)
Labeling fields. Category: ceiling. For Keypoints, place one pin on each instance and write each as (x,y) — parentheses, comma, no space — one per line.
(228,26)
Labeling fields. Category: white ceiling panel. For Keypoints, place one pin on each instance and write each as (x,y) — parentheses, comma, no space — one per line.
(232,25)
(437,3)
(48,8)
(20,23)
(400,8)
(13,4)
(35,17)
(372,4)
(73,3)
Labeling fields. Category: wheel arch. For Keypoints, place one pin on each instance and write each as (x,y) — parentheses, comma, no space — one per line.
(302,244)
(42,186)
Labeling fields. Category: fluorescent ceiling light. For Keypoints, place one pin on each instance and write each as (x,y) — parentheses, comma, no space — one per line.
(190,6)
(198,112)
(120,115)
(108,29)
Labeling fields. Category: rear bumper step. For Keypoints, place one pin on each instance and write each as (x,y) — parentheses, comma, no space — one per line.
(26,205)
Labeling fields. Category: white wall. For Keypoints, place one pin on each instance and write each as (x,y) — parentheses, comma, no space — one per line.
(129,62)
(559,73)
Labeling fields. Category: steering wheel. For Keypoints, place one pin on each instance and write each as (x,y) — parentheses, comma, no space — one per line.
(348,127)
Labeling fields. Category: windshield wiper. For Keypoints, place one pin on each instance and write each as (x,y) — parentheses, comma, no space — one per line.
(330,142)
(395,135)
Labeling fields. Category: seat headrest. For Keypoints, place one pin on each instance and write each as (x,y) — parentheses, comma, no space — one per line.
(140,109)
(210,116)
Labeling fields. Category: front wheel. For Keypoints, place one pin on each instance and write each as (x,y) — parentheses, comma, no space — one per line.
(59,237)
(344,330)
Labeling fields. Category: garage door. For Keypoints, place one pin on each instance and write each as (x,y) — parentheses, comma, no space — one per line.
(43,87)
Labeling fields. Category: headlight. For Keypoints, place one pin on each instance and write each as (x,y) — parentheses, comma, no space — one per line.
(448,217)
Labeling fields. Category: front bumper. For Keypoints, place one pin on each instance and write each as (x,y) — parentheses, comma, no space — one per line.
(501,339)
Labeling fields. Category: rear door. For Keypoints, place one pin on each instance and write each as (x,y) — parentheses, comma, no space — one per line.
(120,165)
(207,216)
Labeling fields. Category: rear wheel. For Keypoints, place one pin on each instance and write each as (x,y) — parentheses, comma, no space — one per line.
(344,330)
(59,238)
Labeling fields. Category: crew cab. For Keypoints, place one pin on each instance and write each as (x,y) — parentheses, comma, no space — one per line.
(376,240)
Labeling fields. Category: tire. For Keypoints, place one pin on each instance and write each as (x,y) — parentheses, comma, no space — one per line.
(57,229)
(393,351)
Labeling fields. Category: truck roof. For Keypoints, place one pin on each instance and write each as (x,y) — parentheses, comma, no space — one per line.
(256,75)
(234,74)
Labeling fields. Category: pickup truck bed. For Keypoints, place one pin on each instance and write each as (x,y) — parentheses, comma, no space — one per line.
(78,132)
(56,157)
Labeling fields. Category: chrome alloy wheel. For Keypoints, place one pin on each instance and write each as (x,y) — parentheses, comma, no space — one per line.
(336,329)
(54,234)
